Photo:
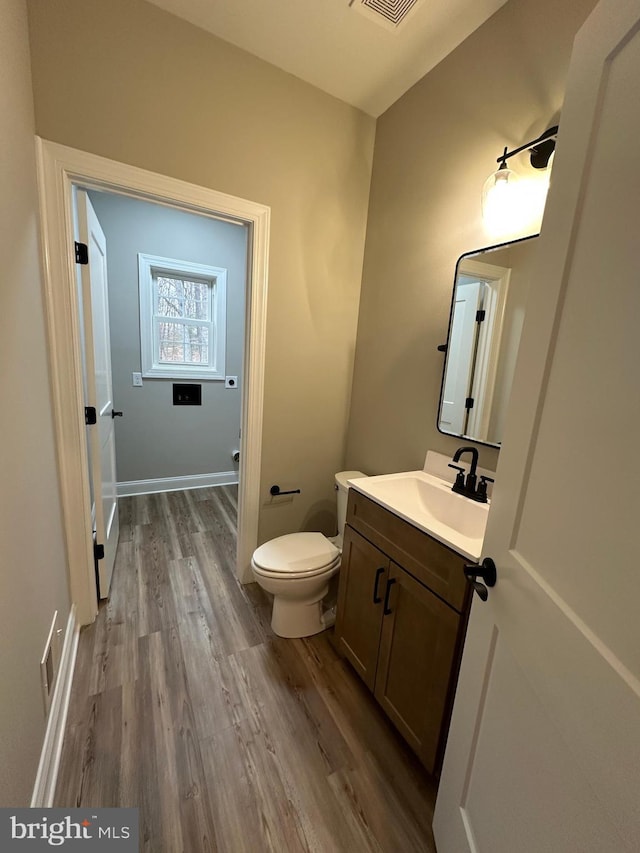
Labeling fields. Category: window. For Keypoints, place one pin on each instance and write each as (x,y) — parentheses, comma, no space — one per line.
(182,318)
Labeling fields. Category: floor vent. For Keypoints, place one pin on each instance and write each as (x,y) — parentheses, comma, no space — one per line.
(388,13)
(49,663)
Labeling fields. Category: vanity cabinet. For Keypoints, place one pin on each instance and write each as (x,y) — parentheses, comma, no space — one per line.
(363,576)
(402,610)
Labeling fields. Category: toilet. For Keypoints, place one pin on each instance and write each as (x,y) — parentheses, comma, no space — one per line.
(296,570)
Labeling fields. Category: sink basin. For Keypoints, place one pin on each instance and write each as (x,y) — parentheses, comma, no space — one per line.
(427,502)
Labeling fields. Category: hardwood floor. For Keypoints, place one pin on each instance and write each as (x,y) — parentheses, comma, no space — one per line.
(226,737)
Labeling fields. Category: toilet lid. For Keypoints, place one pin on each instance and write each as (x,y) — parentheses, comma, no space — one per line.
(296,552)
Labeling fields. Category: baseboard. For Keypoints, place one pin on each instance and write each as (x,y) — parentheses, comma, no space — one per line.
(175,484)
(45,785)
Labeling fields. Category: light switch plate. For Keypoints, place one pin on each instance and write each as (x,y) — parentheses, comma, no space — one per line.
(230,381)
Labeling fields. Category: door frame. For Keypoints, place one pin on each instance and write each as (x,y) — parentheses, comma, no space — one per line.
(59,168)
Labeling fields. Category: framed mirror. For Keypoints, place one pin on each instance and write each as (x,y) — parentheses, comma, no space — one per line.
(490,288)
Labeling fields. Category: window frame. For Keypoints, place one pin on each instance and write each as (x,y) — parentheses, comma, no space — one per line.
(149,268)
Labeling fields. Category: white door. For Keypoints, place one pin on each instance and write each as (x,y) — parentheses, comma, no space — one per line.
(97,352)
(460,354)
(485,369)
(544,748)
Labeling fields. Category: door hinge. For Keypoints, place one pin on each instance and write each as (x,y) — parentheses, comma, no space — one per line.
(468,403)
(82,253)
(480,315)
(90,415)
(98,552)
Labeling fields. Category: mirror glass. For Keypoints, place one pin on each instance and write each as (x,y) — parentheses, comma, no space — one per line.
(490,290)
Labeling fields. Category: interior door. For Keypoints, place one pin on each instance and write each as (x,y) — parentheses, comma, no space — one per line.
(460,353)
(495,294)
(97,353)
(544,746)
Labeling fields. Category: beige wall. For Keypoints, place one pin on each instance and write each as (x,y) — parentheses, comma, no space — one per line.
(32,560)
(123,79)
(434,149)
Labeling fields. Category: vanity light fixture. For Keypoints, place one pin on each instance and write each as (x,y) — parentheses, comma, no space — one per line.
(497,192)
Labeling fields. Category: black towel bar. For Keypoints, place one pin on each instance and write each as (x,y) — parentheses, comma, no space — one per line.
(275,491)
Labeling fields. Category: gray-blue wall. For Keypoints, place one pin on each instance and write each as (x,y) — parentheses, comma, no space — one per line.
(156,439)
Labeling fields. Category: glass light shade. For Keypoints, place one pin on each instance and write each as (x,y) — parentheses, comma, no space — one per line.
(550,163)
(499,198)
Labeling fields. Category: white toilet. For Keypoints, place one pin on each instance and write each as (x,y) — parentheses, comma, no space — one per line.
(296,569)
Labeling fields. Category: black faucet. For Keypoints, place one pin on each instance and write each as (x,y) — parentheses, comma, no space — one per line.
(468,487)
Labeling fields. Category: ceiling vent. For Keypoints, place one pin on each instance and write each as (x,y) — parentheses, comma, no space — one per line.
(388,13)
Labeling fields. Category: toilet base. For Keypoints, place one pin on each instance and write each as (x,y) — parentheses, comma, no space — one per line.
(293,619)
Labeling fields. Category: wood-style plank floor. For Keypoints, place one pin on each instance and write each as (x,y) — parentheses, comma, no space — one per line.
(226,737)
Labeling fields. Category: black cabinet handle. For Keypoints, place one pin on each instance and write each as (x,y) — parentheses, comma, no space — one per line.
(387,609)
(376,597)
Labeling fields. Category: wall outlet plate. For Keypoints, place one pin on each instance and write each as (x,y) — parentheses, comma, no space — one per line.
(187,395)
(136,379)
(230,381)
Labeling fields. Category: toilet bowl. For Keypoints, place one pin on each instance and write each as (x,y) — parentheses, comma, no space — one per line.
(296,570)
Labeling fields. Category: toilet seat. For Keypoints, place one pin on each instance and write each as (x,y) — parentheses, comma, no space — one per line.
(291,576)
(296,555)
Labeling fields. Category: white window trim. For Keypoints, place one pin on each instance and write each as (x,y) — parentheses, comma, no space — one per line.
(150,265)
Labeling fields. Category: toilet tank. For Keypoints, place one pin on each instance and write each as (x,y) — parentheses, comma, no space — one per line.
(342,491)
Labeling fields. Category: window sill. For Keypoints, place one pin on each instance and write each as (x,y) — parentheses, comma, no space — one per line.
(184,375)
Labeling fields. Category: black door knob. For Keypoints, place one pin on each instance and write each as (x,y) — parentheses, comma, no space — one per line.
(115,414)
(487,571)
(481,589)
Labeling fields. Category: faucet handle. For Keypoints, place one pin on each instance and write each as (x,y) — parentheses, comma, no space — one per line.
(482,487)
(459,483)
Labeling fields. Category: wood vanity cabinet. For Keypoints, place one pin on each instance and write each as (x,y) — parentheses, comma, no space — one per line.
(402,611)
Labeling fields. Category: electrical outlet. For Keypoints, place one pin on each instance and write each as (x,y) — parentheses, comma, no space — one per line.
(230,381)
(137,380)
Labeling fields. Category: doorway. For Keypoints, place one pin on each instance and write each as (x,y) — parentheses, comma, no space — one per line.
(176,299)
(60,169)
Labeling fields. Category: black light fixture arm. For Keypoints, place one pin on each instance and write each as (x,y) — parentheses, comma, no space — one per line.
(545,143)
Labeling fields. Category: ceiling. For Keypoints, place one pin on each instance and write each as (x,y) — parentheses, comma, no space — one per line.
(332,45)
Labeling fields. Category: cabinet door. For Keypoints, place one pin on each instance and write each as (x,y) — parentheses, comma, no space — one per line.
(417,648)
(363,577)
